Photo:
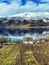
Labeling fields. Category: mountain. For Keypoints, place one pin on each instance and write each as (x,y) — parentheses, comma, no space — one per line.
(32,15)
(33,18)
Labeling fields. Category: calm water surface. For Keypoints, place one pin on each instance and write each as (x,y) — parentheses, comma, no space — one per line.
(18,34)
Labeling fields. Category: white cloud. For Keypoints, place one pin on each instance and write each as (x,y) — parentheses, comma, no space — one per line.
(43,7)
(15,7)
(45,0)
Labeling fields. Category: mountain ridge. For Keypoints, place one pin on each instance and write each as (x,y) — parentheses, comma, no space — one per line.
(32,15)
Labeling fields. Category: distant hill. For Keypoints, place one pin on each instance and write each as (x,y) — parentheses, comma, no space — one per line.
(34,19)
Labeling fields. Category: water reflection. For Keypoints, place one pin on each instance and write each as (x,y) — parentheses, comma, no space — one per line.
(18,34)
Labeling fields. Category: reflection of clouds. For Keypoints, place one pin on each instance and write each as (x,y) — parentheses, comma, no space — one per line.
(6,33)
(19,36)
(34,36)
(45,33)
(15,38)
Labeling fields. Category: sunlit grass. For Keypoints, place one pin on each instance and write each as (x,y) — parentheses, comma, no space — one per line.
(8,54)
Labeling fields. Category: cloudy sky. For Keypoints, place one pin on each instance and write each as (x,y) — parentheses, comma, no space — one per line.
(10,7)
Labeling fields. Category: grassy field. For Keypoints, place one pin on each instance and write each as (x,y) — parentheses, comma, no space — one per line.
(8,54)
(24,54)
(35,54)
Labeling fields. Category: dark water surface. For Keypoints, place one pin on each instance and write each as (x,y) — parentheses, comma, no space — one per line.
(7,31)
(15,34)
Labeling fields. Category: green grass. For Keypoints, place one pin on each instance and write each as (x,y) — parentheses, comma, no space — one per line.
(8,54)
(29,58)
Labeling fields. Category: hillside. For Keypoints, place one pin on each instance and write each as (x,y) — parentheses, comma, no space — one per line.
(33,19)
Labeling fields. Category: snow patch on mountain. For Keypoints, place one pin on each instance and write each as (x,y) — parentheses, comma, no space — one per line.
(32,15)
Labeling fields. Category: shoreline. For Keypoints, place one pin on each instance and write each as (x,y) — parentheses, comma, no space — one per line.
(47,27)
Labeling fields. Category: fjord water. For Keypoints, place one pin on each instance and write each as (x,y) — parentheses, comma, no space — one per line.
(18,34)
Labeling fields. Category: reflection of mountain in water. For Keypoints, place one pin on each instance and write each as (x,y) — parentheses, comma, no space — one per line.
(14,34)
(6,31)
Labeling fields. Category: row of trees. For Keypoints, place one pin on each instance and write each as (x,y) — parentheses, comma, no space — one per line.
(31,22)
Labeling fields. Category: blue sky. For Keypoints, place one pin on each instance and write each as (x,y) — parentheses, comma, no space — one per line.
(11,7)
